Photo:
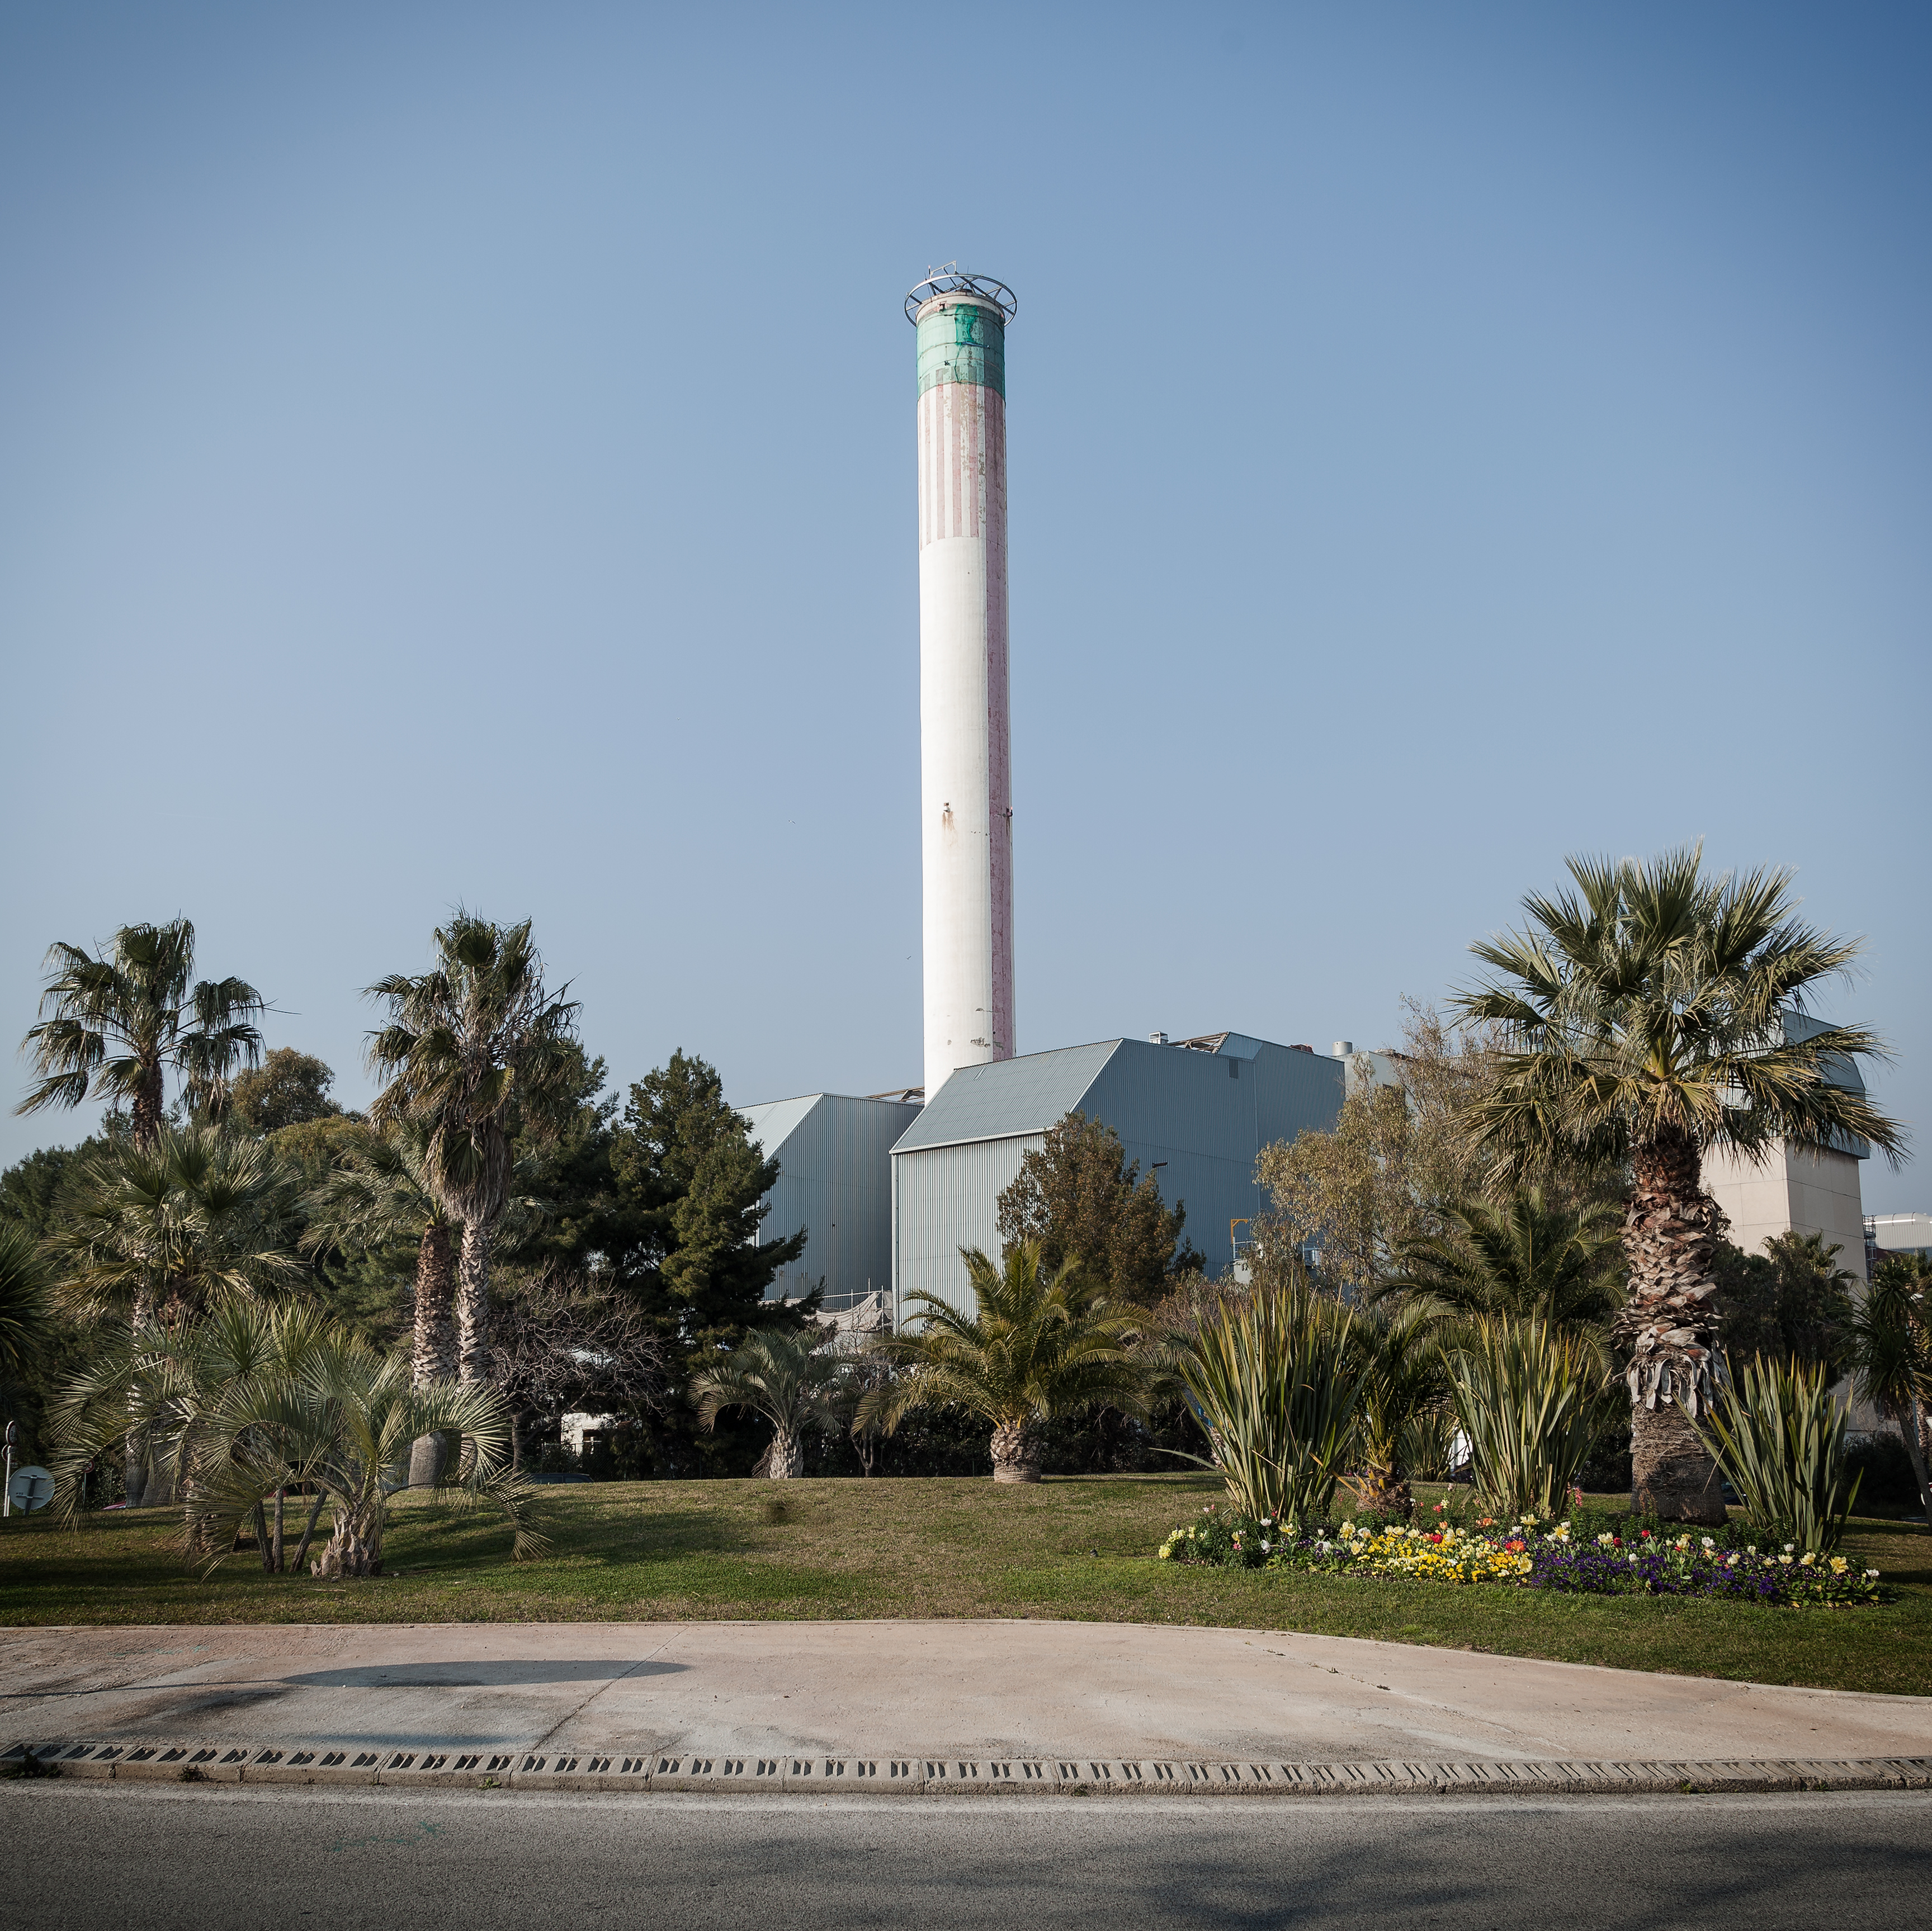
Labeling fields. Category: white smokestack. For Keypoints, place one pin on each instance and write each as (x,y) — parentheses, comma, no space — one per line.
(965,781)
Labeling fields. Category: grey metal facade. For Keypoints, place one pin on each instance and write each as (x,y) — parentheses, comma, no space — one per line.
(834,1155)
(1195,1117)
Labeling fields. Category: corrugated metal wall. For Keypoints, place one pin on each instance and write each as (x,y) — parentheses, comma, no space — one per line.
(948,1198)
(835,1180)
(1198,1120)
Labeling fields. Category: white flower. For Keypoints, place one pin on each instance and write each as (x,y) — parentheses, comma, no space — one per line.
(1709,1543)
(1266,1546)
(1788,1547)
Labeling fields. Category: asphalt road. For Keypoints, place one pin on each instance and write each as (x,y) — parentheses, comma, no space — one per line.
(80,1855)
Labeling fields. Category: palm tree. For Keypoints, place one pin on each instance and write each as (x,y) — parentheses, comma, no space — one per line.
(465,1042)
(156,1235)
(1402,1376)
(787,1376)
(116,1025)
(23,1298)
(1525,1258)
(1039,1345)
(1891,1353)
(381,1193)
(250,1402)
(1643,1020)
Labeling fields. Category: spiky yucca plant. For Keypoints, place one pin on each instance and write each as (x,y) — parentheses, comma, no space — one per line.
(1274,1378)
(1777,1432)
(1532,1401)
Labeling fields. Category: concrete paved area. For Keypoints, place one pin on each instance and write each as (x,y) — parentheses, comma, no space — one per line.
(1022,1688)
(223,1858)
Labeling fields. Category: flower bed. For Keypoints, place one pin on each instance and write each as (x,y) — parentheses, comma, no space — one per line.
(1528,1555)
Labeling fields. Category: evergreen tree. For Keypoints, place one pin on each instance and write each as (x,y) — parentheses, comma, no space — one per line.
(285,1090)
(1079,1197)
(1792,1301)
(689,1185)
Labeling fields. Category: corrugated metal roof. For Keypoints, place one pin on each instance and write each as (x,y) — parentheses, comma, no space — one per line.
(1009,1096)
(773,1122)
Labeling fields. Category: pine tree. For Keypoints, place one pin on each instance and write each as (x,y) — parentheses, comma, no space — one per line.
(691,1184)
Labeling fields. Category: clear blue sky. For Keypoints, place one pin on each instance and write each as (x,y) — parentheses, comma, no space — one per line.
(465,454)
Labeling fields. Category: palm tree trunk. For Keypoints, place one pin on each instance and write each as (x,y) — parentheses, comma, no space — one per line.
(281,1490)
(784,1460)
(472,1304)
(1015,1453)
(150,1098)
(135,1465)
(433,1356)
(1384,1491)
(308,1529)
(1670,1326)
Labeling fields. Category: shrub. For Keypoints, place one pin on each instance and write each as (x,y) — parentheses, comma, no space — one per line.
(1778,1434)
(1884,1470)
(1532,1402)
(1273,1380)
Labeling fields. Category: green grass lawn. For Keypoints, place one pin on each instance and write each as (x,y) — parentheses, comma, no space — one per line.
(1074,1547)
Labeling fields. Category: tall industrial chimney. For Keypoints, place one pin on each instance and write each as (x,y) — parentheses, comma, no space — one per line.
(966,834)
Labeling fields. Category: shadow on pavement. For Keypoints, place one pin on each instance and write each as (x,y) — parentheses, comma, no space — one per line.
(475,1675)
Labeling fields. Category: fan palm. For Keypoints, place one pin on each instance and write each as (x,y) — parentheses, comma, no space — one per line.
(116,1025)
(23,1297)
(381,1194)
(1891,1353)
(156,1234)
(1643,1019)
(787,1377)
(249,1402)
(464,1043)
(1038,1345)
(1525,1258)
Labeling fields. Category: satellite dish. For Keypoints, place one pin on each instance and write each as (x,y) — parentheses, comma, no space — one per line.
(31,1488)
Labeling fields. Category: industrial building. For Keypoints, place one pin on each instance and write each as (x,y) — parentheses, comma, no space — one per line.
(1195,1114)
(1909,1233)
(887,1190)
(834,1152)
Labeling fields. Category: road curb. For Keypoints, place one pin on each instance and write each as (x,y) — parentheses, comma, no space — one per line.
(898,1774)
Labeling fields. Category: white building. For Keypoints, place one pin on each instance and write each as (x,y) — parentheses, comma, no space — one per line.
(1795,1189)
